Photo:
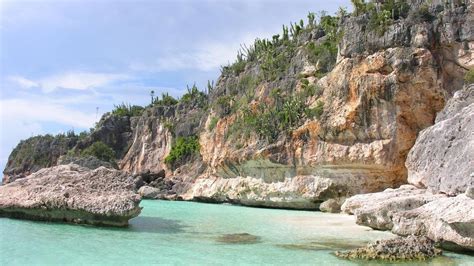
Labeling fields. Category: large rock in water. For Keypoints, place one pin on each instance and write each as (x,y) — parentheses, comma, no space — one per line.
(442,159)
(407,210)
(376,209)
(71,193)
(300,192)
(449,221)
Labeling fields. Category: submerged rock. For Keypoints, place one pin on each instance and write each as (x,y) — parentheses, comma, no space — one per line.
(400,248)
(241,238)
(71,193)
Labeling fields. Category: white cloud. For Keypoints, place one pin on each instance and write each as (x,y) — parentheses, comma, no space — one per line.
(79,80)
(69,80)
(23,82)
(34,111)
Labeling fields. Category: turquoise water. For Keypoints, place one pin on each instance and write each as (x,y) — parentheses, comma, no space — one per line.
(183,233)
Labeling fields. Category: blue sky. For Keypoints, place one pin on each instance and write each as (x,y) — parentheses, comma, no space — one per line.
(60,60)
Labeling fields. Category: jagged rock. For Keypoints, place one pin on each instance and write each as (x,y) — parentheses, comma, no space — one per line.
(90,162)
(449,221)
(397,249)
(71,193)
(377,209)
(442,158)
(149,192)
(332,205)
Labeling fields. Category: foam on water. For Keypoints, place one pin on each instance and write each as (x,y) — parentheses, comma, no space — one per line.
(191,233)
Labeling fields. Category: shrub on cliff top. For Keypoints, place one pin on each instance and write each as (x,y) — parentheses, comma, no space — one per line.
(126,109)
(100,150)
(165,100)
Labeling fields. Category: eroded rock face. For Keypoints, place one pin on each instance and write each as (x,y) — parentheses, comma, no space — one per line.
(442,158)
(150,144)
(397,249)
(378,105)
(148,192)
(449,221)
(71,193)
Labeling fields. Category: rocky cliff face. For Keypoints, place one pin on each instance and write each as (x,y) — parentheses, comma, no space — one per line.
(324,111)
(442,159)
(441,165)
(383,90)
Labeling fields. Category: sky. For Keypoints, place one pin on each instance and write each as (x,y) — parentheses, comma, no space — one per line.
(65,63)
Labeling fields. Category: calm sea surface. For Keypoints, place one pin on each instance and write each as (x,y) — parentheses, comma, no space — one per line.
(187,233)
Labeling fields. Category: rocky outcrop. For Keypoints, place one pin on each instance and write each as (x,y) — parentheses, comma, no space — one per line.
(397,249)
(148,192)
(35,153)
(377,209)
(449,221)
(71,193)
(442,158)
(408,210)
(112,130)
(300,192)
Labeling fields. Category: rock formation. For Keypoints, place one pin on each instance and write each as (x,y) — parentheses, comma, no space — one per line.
(397,249)
(71,193)
(441,163)
(442,158)
(325,111)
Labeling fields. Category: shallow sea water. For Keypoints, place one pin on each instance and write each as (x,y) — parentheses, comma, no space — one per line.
(188,233)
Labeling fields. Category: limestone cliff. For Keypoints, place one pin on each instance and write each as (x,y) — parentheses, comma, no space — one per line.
(328,109)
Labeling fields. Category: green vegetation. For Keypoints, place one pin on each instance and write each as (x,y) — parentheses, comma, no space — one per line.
(183,149)
(125,109)
(99,150)
(194,96)
(381,14)
(469,77)
(268,122)
(165,100)
(213,123)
